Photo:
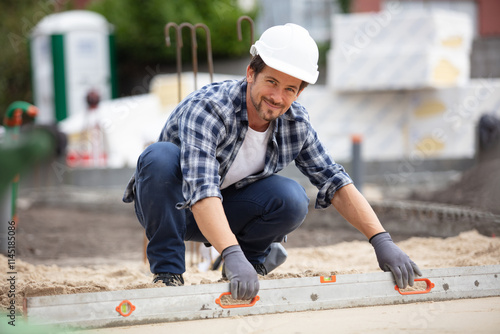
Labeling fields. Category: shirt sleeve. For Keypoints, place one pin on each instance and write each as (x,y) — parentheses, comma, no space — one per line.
(315,163)
(200,129)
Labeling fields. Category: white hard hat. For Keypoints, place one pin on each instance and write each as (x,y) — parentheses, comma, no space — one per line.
(289,49)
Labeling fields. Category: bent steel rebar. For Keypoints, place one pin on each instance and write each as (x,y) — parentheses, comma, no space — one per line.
(194,50)
(178,52)
(209,49)
(238,27)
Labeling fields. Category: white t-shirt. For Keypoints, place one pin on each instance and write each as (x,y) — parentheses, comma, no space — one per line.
(251,157)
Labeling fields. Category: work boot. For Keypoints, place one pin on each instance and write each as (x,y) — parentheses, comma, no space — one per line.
(277,256)
(169,279)
(260,269)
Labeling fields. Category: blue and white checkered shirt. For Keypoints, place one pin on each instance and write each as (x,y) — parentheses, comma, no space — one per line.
(209,127)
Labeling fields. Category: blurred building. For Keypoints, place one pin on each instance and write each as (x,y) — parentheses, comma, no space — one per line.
(315,15)
(403,125)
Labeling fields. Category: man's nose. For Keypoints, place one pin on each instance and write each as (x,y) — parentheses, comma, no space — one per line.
(277,96)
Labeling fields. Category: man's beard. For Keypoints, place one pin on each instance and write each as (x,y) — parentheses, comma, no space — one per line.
(266,114)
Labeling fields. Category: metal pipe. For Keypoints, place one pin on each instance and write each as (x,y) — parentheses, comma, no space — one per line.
(357,162)
(13,120)
(194,48)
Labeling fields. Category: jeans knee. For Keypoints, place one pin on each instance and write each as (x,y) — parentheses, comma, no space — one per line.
(160,151)
(293,204)
(296,210)
(159,158)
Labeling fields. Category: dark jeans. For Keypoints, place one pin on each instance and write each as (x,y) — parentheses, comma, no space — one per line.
(259,214)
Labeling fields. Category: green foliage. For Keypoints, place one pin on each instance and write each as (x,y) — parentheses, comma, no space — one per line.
(18,19)
(345,6)
(140,34)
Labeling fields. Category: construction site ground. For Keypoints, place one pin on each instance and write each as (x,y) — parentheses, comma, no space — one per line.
(74,240)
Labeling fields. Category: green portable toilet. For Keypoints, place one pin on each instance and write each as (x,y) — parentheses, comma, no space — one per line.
(72,53)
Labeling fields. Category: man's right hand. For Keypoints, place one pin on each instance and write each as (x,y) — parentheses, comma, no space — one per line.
(241,274)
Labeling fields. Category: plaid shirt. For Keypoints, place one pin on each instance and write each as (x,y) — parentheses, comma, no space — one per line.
(209,127)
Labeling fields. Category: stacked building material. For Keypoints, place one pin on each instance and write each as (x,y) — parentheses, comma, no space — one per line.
(401,80)
(393,50)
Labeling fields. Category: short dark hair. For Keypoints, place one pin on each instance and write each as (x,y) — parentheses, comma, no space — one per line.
(258,65)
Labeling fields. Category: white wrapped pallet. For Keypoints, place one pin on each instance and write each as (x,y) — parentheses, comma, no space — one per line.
(393,29)
(401,69)
(443,122)
(380,118)
(393,50)
(420,124)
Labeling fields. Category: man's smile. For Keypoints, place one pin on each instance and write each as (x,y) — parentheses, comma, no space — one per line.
(272,104)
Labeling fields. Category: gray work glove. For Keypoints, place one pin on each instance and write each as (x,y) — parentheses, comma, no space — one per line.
(241,274)
(391,258)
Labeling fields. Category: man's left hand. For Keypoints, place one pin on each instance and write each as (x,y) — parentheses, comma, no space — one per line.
(391,258)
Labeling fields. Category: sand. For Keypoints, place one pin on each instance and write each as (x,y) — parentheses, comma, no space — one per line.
(467,249)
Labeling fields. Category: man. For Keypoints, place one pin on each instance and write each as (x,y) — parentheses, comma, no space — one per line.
(211,177)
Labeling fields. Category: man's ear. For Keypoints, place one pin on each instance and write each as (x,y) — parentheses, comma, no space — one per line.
(250,74)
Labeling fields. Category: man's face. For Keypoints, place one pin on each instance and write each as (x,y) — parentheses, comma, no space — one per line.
(270,94)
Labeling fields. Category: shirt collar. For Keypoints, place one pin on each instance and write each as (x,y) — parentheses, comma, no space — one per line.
(243,113)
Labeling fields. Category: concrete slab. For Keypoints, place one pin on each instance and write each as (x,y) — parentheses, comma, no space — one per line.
(457,316)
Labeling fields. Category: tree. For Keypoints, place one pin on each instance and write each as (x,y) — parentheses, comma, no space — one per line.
(18,19)
(140,37)
(139,34)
